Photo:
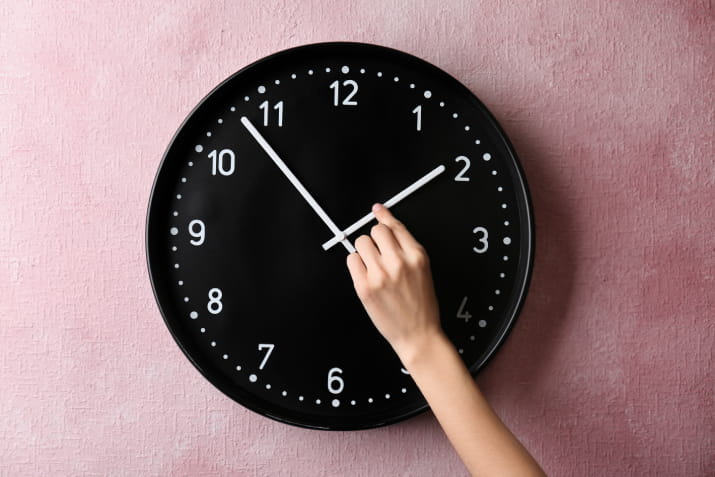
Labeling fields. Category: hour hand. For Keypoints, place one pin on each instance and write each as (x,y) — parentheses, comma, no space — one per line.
(394,200)
(296,183)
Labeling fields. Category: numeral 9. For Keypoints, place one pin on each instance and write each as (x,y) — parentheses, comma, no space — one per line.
(199,235)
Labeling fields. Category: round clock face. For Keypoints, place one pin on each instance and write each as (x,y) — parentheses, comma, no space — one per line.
(262,193)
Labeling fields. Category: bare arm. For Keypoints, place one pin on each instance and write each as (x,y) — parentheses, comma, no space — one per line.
(392,278)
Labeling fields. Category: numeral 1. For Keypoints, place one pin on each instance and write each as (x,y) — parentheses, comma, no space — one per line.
(418,112)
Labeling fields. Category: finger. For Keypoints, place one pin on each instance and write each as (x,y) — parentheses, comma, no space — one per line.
(403,236)
(368,252)
(386,242)
(357,270)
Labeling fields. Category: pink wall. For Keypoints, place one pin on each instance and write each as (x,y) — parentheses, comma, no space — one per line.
(611,106)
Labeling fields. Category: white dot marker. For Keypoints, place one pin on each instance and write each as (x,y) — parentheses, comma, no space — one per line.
(387,396)
(500,188)
(292,76)
(352,403)
(225,356)
(327,70)
(246,98)
(213,344)
(477,141)
(441,104)
(482,323)
(203,330)
(174,249)
(284,393)
(186,299)
(412,86)
(181,283)
(300,398)
(233,109)
(396,79)
(335,402)
(494,173)
(317,401)
(268,386)
(497,292)
(220,121)
(345,70)
(506,222)
(191,164)
(238,368)
(506,259)
(404,390)
(277,81)
(466,128)
(362,71)
(198,148)
(183,179)
(486,156)
(503,206)
(253,378)
(507,241)
(490,308)
(173,231)
(428,94)
(472,338)
(261,89)
(178,196)
(455,115)
(176,265)
(193,315)
(369,400)
(379,74)
(310,72)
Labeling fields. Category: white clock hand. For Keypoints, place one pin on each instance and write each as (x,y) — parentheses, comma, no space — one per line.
(394,200)
(296,183)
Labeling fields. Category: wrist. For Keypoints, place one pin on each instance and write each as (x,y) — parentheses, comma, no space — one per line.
(423,349)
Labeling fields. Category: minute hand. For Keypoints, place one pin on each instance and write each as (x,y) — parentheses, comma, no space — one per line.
(296,183)
(394,200)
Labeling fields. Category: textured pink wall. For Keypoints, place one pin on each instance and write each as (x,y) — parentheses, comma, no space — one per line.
(611,106)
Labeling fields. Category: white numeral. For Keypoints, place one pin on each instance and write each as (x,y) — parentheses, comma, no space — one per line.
(483,241)
(199,235)
(269,348)
(278,106)
(348,100)
(418,112)
(215,306)
(335,383)
(219,160)
(462,313)
(460,177)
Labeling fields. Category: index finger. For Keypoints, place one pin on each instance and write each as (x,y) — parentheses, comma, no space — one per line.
(403,236)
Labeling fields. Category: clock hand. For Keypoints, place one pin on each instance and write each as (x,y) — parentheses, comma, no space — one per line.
(296,183)
(394,200)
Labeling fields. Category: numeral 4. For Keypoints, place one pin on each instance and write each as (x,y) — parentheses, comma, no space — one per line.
(462,312)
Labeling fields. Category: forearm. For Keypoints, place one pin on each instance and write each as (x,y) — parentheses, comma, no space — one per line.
(482,441)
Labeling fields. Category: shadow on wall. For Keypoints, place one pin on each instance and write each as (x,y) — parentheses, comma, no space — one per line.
(525,357)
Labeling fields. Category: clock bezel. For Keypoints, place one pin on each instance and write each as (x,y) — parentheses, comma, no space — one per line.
(155,239)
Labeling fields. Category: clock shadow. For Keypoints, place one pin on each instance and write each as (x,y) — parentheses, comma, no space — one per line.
(525,357)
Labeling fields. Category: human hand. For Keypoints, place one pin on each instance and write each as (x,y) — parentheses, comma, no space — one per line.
(392,278)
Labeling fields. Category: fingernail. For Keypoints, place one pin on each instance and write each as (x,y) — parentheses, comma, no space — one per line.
(377,207)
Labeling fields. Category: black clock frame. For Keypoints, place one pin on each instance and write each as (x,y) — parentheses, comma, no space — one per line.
(155,239)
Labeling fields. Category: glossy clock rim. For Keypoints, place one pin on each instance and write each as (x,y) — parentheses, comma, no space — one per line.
(526,251)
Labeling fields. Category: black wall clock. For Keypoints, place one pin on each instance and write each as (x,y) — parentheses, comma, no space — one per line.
(262,192)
